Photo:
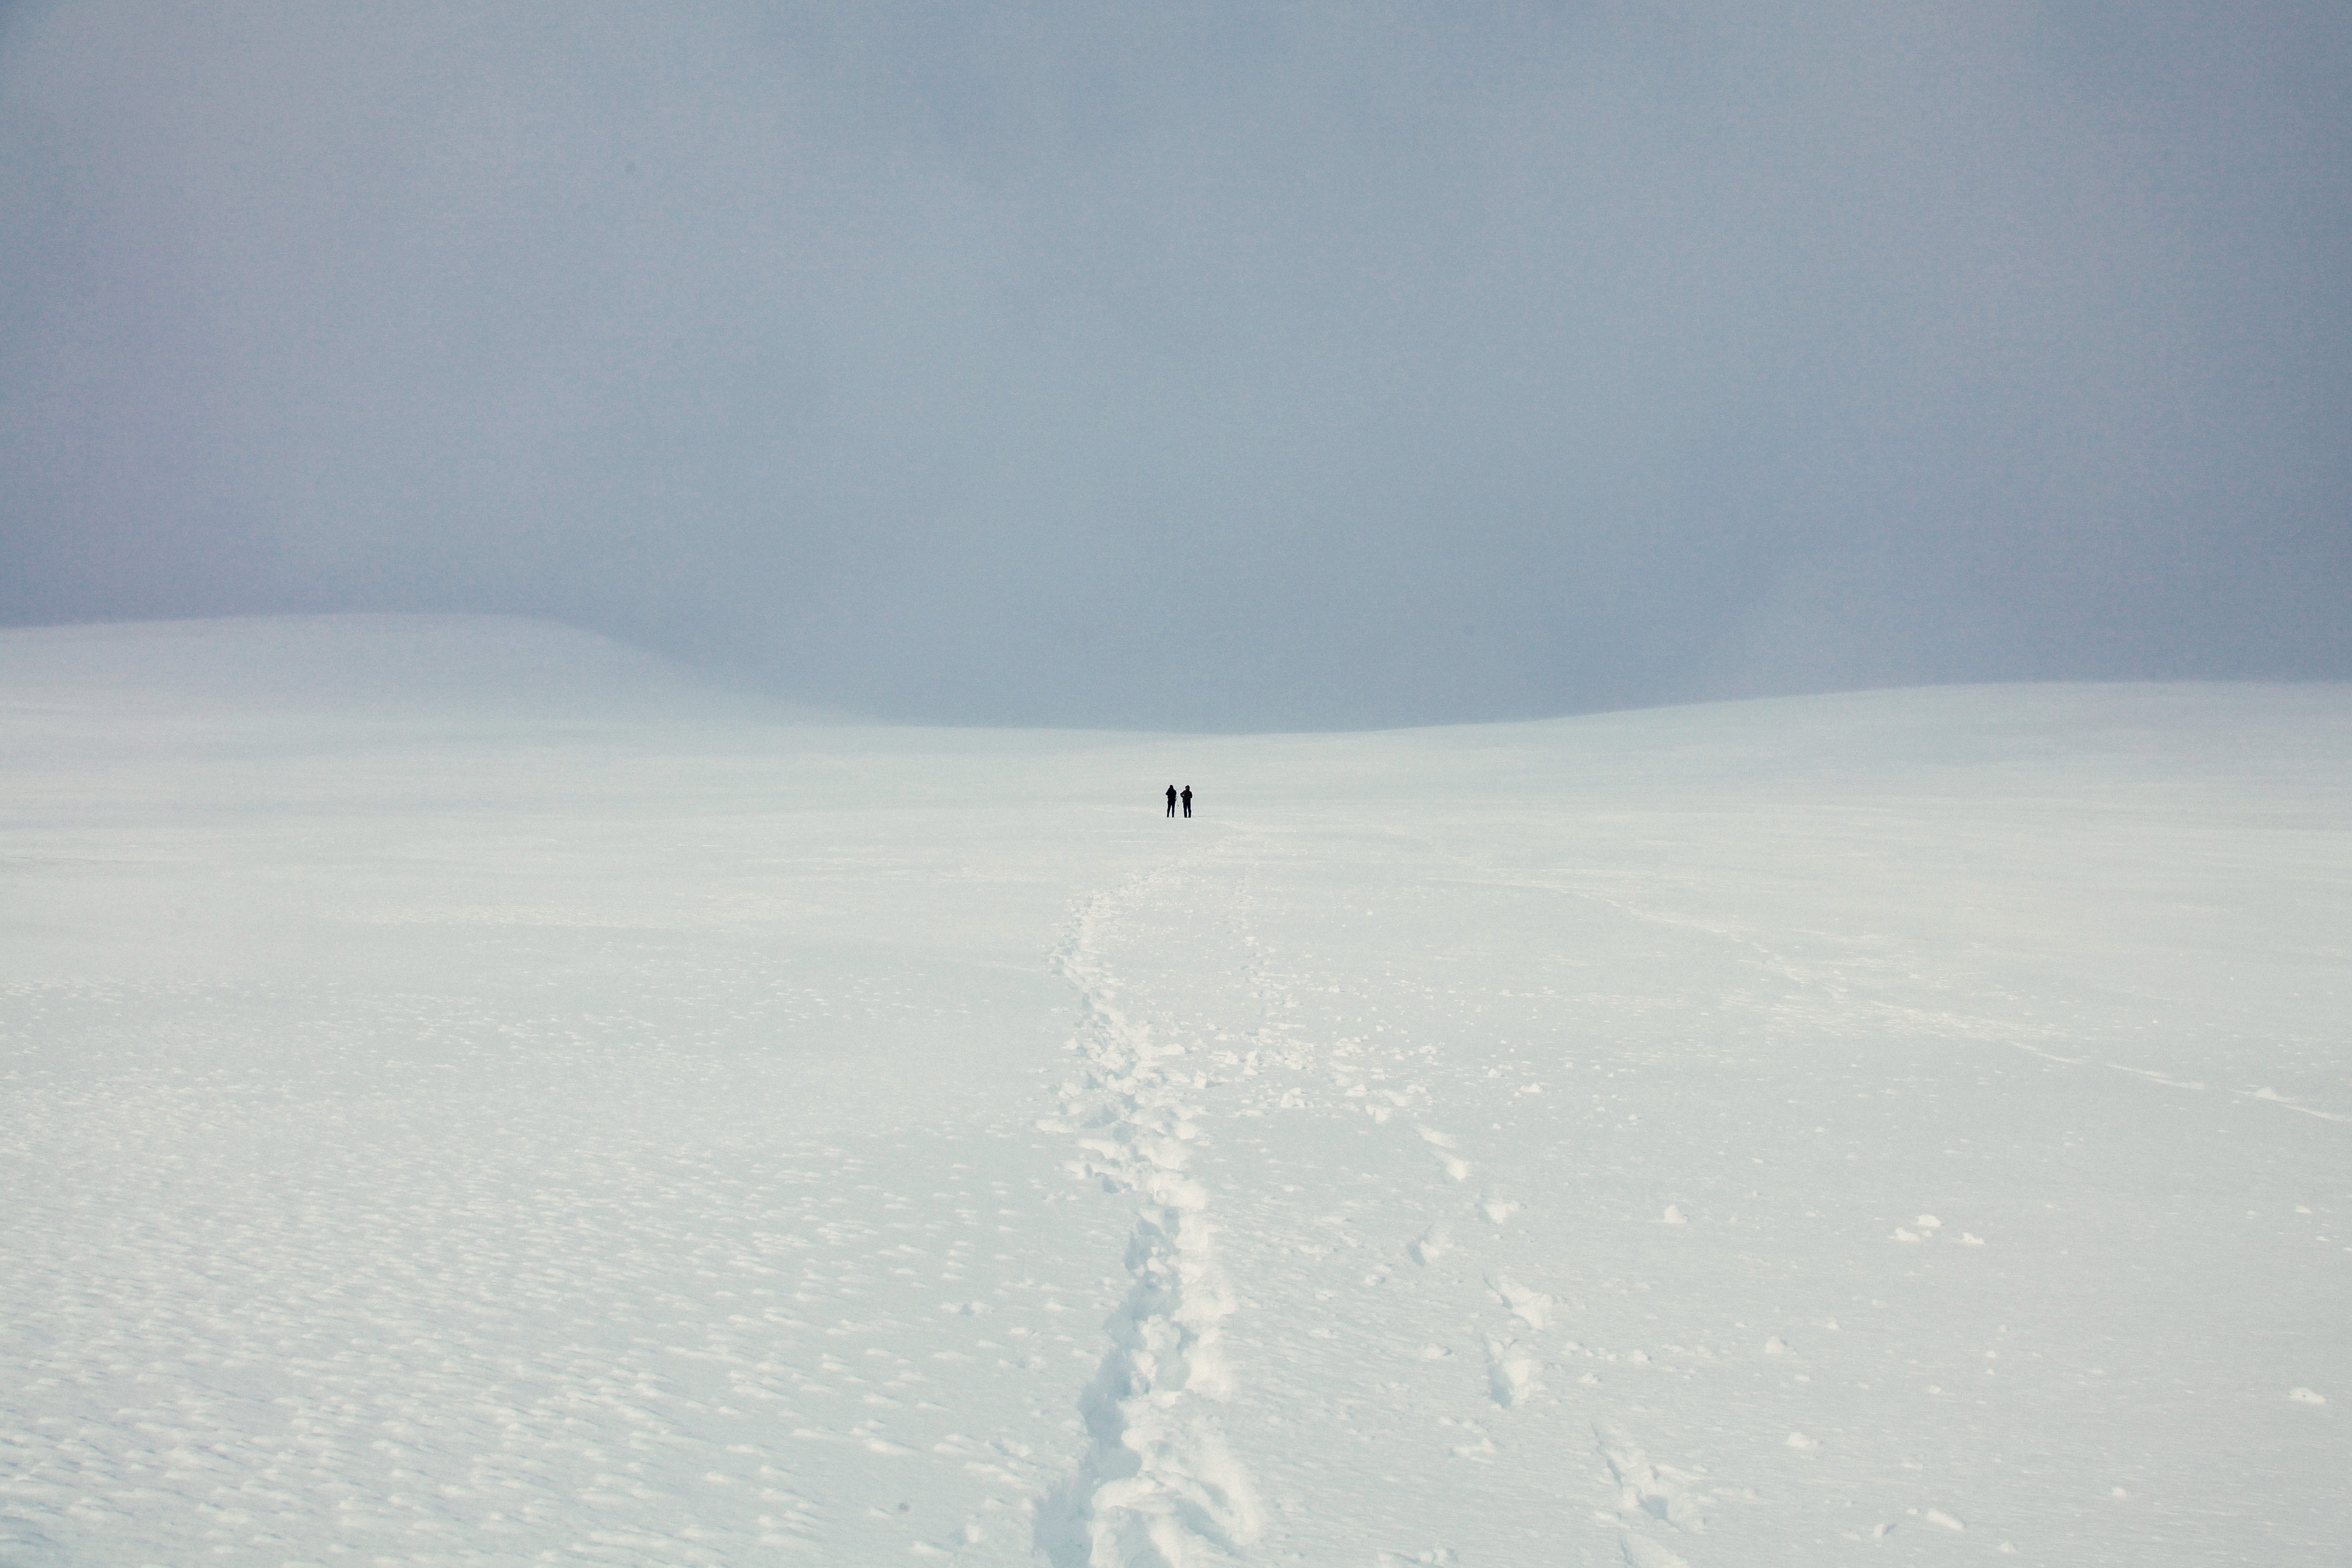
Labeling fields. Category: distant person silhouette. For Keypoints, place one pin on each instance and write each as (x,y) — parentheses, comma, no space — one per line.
(1171,800)
(1187,800)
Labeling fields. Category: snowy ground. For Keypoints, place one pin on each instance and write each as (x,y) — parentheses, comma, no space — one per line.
(470,1099)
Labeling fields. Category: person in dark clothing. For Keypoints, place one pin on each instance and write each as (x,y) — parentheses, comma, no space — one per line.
(1187,800)
(1171,800)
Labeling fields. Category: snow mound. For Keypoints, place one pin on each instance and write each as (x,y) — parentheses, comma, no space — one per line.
(360,662)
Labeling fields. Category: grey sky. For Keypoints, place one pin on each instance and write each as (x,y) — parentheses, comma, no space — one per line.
(1201,364)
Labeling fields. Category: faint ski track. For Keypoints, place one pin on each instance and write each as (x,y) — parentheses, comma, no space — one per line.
(1156,1486)
(1839,995)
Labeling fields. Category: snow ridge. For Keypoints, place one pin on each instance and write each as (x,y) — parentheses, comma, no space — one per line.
(1156,1486)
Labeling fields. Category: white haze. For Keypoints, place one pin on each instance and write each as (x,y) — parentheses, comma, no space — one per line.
(1210,366)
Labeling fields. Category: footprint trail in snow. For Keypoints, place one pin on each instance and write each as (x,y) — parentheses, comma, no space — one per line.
(1157,1483)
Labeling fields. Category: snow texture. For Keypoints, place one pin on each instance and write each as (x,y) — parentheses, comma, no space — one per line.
(475,1097)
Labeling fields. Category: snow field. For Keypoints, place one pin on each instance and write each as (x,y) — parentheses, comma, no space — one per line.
(1905,1126)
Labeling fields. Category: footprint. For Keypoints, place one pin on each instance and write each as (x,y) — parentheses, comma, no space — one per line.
(1530,1307)
(1430,1244)
(1511,1373)
(1640,1552)
(1456,1167)
(1648,1493)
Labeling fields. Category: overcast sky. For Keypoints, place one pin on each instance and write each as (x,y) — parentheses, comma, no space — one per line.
(1228,365)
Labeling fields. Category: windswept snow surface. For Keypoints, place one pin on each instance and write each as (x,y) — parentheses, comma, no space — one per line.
(445,1124)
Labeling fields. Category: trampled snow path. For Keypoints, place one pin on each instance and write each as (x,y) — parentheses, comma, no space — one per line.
(1156,1484)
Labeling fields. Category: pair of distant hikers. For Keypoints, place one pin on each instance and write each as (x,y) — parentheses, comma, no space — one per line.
(1173,797)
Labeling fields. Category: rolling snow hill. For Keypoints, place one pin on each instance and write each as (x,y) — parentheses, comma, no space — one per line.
(473,1098)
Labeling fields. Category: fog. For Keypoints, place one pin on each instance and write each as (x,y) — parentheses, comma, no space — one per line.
(1223,366)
